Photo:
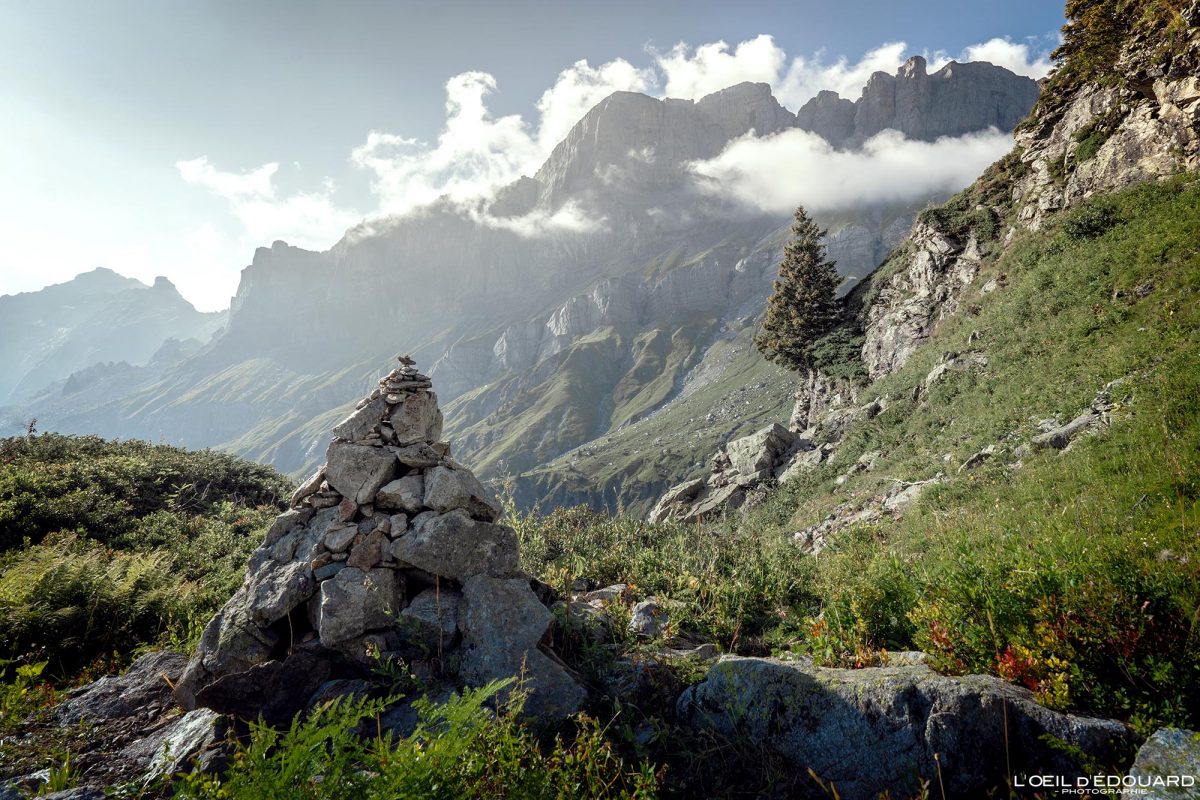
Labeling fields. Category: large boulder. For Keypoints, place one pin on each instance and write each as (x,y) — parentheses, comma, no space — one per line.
(884,729)
(503,625)
(1167,766)
(358,471)
(758,453)
(447,489)
(455,546)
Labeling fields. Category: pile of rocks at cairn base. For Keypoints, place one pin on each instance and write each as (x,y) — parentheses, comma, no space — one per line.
(391,550)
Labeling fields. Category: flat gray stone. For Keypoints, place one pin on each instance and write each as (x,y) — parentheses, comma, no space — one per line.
(361,421)
(419,455)
(878,729)
(406,494)
(455,546)
(358,471)
(502,623)
(354,602)
(447,489)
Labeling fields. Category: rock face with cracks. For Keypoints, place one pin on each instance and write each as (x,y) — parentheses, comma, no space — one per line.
(391,549)
(870,731)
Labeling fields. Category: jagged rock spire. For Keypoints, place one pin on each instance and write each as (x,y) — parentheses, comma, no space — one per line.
(391,549)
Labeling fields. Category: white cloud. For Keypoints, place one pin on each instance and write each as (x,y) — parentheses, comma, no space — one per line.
(807,76)
(580,87)
(476,152)
(1019,58)
(305,219)
(795,167)
(712,67)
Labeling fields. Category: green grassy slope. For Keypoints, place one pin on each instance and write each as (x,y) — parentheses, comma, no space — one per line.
(733,392)
(1074,573)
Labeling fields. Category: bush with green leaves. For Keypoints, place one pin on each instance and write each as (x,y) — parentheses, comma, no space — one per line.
(50,482)
(464,748)
(110,546)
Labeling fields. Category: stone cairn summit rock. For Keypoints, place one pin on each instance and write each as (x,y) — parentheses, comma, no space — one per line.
(391,549)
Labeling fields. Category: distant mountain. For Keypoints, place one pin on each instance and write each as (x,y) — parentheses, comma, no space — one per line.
(98,316)
(603,290)
(955,100)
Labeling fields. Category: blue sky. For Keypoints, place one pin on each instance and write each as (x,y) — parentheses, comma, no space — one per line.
(141,135)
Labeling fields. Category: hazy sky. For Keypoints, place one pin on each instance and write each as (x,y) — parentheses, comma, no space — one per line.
(171,138)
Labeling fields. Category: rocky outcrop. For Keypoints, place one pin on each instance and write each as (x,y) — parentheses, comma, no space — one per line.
(957,99)
(1167,766)
(738,468)
(1143,126)
(865,732)
(926,288)
(742,469)
(389,548)
(127,730)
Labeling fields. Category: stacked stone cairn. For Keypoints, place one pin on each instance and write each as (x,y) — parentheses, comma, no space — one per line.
(390,550)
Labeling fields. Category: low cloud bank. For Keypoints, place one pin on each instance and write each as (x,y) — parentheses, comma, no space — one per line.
(795,167)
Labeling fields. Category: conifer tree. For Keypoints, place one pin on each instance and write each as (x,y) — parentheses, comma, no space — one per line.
(804,304)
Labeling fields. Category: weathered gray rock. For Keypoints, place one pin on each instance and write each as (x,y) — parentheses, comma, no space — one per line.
(407,493)
(432,617)
(676,497)
(977,460)
(648,620)
(353,602)
(192,738)
(455,546)
(1167,766)
(285,523)
(1063,435)
(339,538)
(447,489)
(880,729)
(145,685)
(357,471)
(417,419)
(361,421)
(420,456)
(502,623)
(759,452)
(308,488)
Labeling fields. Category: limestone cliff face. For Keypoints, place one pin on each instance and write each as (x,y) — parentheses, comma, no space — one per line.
(957,99)
(1142,128)
(645,144)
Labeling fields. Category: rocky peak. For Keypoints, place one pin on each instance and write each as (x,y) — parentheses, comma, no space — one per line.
(644,144)
(915,67)
(957,99)
(390,550)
